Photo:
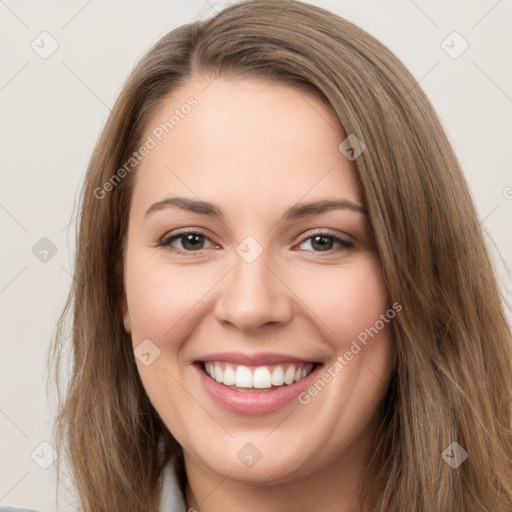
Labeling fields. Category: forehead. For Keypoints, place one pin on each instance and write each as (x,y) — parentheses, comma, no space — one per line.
(244,140)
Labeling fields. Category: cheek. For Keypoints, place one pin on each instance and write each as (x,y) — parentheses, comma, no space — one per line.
(345,300)
(365,300)
(162,303)
(160,297)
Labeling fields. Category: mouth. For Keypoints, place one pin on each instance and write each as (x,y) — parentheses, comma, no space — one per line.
(261,378)
(254,385)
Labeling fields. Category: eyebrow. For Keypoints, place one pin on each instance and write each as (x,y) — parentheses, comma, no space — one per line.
(295,212)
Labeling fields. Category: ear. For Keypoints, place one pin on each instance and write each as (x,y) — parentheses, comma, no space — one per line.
(121,294)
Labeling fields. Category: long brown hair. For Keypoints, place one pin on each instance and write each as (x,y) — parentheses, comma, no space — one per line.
(452,378)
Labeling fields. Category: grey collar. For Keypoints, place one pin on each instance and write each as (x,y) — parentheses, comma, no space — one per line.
(171,499)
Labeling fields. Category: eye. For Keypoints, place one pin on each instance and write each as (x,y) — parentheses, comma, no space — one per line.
(324,241)
(190,241)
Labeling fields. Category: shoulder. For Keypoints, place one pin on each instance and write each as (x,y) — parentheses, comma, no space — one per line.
(171,498)
(15,509)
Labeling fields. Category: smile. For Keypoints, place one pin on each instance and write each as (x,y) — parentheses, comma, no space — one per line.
(245,378)
(254,385)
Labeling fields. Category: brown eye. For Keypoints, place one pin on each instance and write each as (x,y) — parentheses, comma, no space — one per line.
(324,242)
(189,242)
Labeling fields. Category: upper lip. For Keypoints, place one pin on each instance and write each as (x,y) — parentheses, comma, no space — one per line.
(254,359)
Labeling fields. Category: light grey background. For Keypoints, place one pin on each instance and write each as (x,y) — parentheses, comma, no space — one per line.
(53,109)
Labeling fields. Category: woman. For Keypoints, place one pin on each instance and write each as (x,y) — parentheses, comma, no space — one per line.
(282,299)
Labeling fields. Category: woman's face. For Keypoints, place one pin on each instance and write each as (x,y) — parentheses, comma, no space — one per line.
(280,297)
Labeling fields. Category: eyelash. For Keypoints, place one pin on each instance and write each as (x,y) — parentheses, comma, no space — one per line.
(166,242)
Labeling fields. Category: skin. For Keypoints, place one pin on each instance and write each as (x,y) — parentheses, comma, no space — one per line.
(256,148)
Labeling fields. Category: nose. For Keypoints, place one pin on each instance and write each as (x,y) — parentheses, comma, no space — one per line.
(252,295)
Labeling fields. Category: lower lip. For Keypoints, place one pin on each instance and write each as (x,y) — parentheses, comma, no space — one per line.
(254,403)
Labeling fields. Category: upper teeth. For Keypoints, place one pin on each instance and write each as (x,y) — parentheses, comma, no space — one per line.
(257,377)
